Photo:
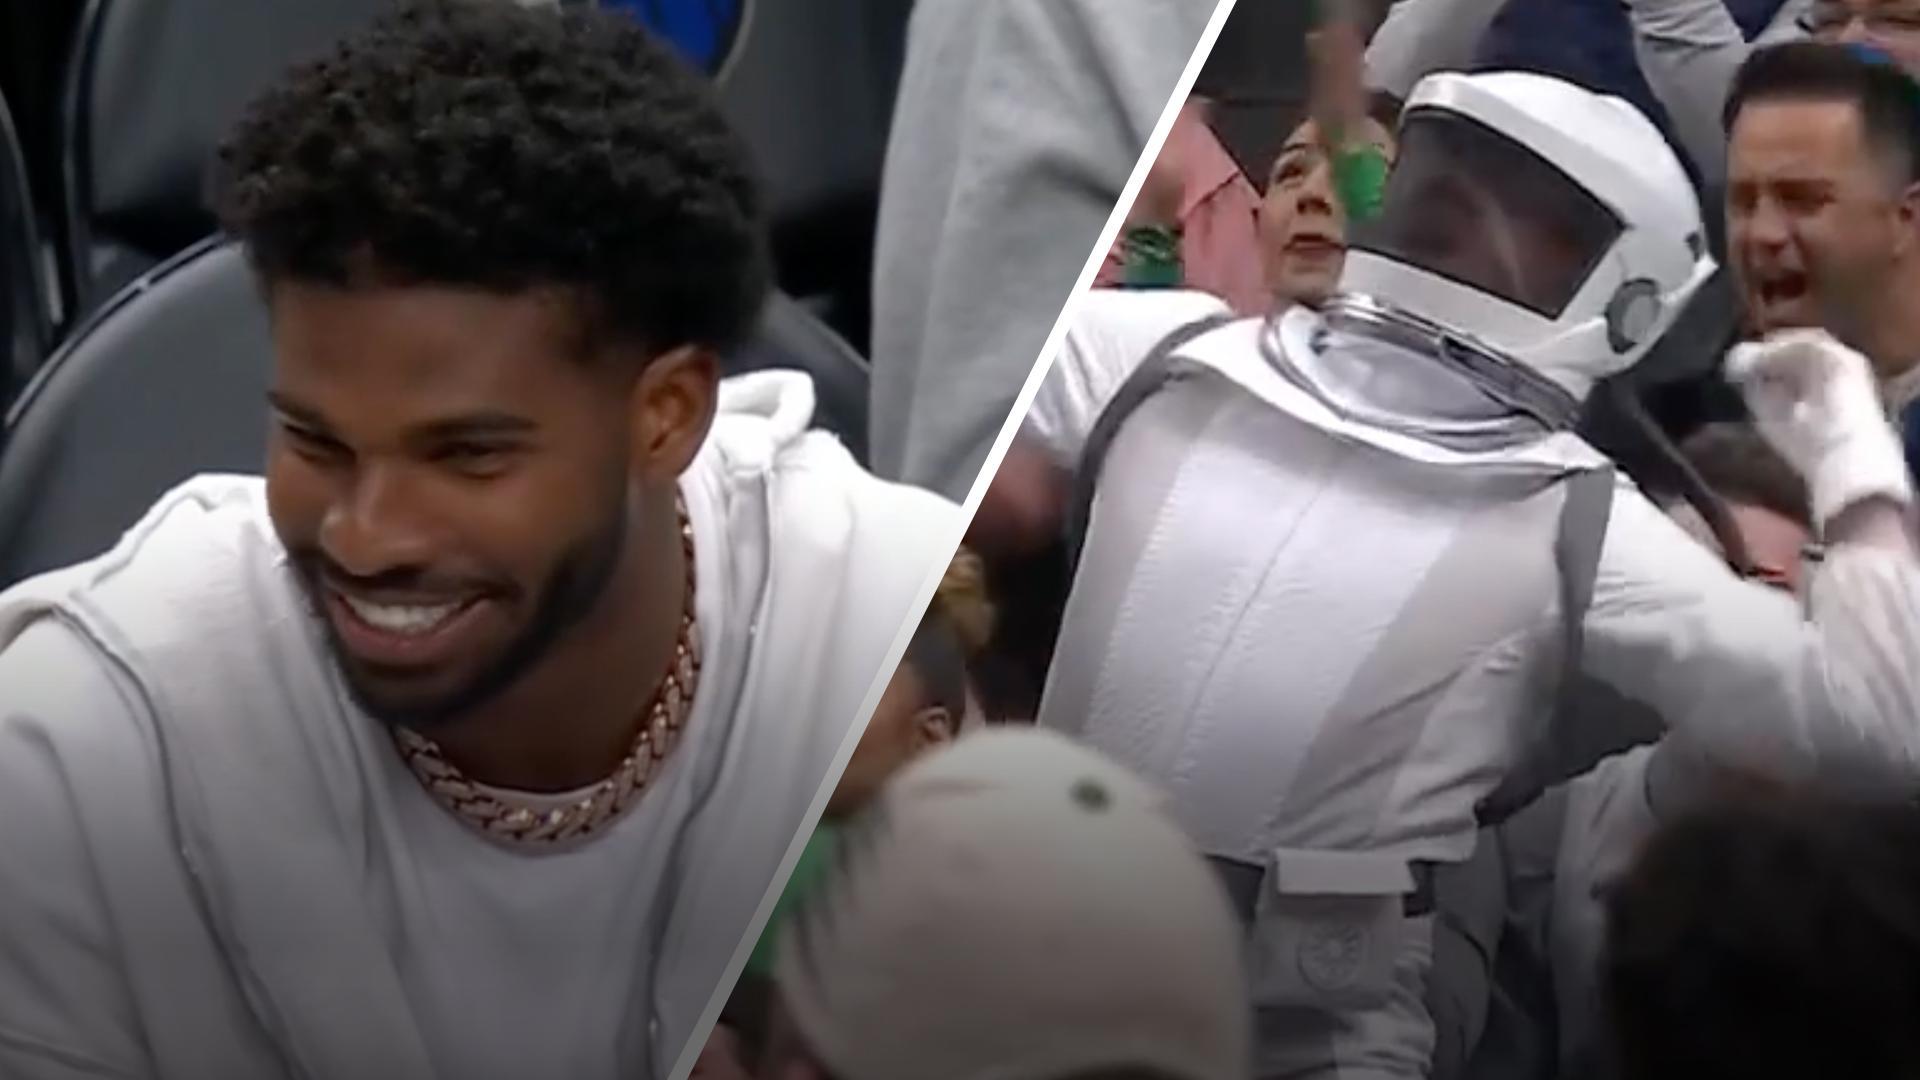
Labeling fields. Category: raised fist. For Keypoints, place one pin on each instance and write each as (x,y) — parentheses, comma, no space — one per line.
(1817,402)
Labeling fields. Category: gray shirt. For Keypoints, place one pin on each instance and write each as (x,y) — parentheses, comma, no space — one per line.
(1017,126)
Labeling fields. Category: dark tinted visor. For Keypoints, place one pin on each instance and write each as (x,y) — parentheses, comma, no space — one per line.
(1474,206)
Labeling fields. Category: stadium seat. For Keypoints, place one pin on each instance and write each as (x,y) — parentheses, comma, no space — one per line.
(168,380)
(152,87)
(810,86)
(24,311)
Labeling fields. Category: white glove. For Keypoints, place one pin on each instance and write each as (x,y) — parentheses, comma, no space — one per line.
(1817,402)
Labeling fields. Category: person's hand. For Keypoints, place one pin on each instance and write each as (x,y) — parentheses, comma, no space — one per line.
(1816,402)
(720,1058)
(1163,193)
(1336,54)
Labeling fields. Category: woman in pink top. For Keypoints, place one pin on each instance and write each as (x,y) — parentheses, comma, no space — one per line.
(1217,215)
(1263,252)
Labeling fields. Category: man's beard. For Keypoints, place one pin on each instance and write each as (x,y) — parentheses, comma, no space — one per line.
(578,582)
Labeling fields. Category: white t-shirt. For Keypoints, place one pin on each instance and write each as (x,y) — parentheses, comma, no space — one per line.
(137,854)
(571,927)
(514,964)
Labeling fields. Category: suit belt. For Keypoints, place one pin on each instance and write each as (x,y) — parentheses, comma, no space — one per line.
(1242,881)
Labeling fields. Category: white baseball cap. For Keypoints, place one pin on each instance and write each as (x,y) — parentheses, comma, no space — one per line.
(1017,907)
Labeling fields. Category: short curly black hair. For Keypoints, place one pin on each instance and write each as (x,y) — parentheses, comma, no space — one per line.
(486,144)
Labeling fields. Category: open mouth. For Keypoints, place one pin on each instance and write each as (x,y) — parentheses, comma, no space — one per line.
(396,634)
(1782,289)
(405,619)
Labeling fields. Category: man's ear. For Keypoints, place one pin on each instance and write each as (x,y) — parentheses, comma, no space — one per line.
(1908,211)
(673,403)
(934,725)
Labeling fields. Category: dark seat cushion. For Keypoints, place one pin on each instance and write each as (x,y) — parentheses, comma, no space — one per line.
(166,383)
(24,298)
(155,86)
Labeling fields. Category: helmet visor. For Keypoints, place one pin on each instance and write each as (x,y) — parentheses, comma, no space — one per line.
(1480,209)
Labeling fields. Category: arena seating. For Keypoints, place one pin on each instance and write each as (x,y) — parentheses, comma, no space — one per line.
(24,311)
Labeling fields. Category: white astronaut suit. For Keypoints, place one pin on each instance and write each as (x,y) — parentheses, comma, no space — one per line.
(1318,598)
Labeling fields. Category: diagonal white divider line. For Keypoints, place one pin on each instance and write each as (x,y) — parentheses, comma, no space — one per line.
(1042,364)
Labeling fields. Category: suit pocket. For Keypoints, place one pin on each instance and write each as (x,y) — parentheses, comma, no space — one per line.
(1327,929)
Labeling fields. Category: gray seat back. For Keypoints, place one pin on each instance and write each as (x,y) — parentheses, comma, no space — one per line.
(24,300)
(153,85)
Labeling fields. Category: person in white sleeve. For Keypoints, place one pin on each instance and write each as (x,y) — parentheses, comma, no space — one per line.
(1815,399)
(1336,565)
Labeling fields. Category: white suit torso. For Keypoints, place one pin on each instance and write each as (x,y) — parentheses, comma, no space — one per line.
(1317,633)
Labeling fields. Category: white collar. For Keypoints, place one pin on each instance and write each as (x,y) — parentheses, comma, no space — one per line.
(1236,351)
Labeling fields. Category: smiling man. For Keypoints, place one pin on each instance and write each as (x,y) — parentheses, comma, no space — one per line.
(468,742)
(1823,203)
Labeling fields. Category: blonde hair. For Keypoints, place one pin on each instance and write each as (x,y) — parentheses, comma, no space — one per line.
(962,600)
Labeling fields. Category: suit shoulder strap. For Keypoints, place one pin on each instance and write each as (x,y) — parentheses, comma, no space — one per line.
(1160,367)
(1576,554)
(1576,551)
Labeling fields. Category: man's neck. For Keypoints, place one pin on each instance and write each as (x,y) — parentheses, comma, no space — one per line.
(1894,344)
(568,723)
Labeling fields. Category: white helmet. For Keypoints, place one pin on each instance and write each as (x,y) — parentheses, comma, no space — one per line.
(1544,223)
